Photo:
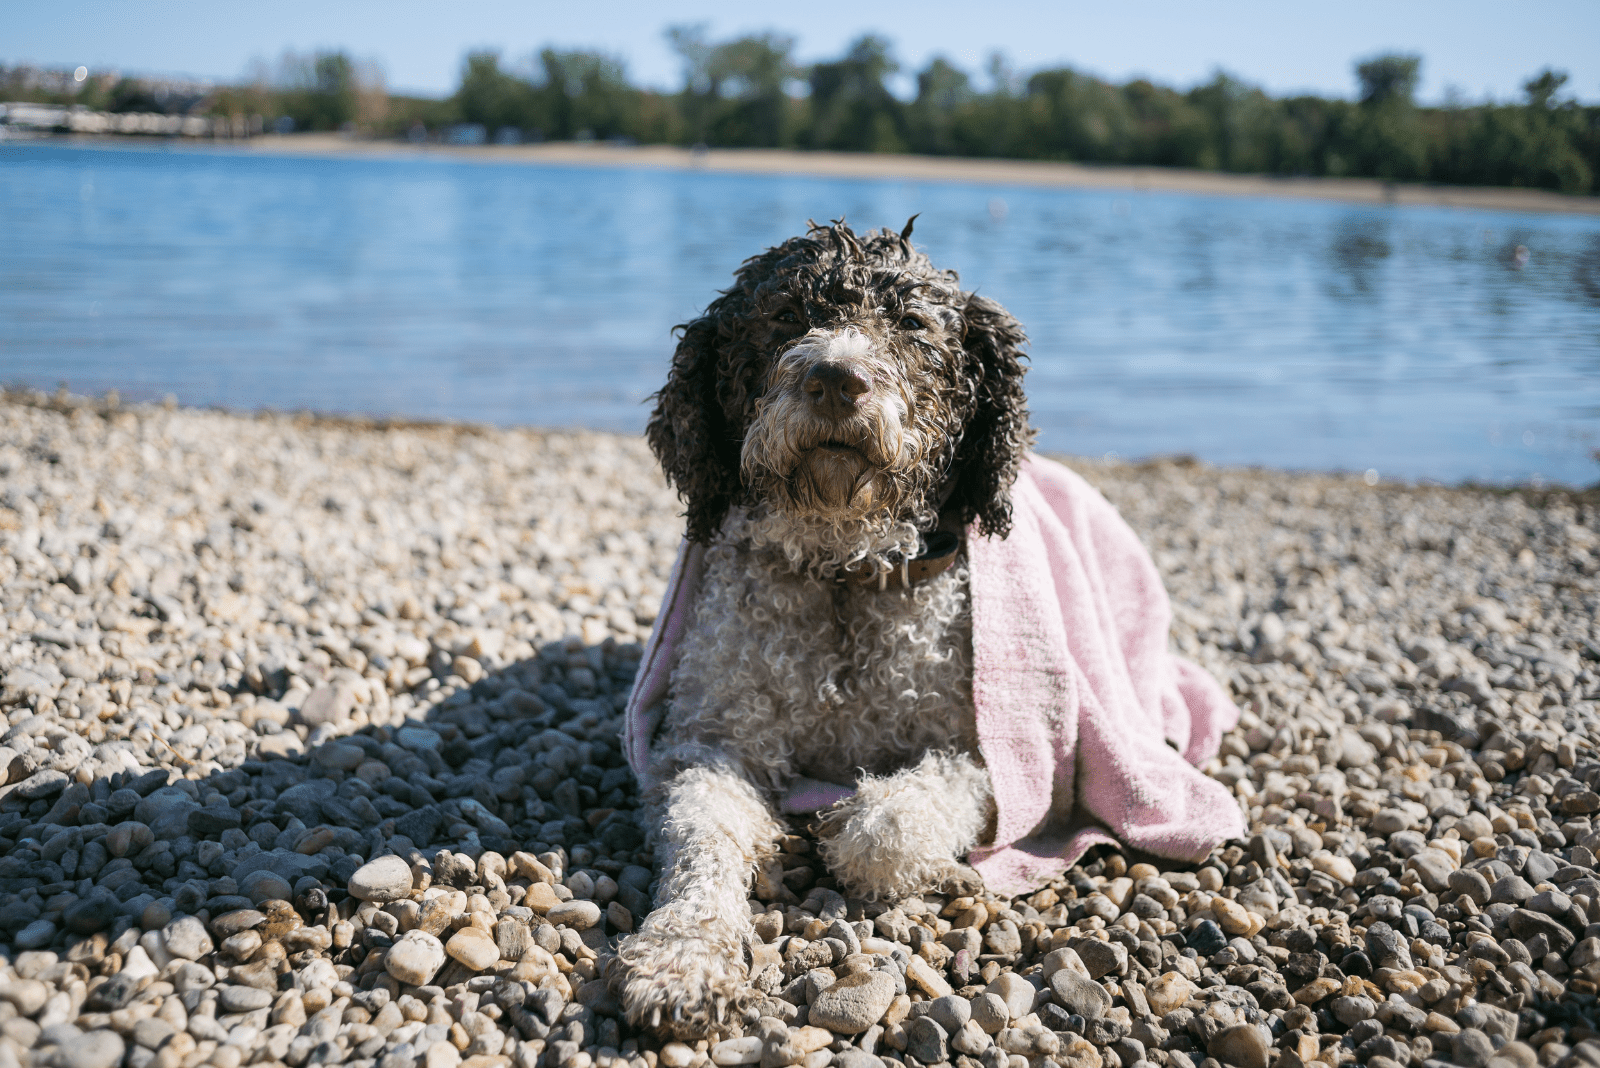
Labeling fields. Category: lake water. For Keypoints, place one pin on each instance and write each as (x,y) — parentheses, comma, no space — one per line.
(1281,332)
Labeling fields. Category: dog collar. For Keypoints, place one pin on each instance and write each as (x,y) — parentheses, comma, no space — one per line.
(938,554)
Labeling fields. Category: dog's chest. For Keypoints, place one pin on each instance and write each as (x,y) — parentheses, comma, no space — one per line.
(793,676)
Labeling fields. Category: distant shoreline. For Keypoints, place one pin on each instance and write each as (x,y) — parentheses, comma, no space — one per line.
(998,172)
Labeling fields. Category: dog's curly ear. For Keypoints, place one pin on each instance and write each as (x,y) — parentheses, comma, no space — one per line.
(689,431)
(997,435)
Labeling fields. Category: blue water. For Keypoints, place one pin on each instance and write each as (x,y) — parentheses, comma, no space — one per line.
(1280,332)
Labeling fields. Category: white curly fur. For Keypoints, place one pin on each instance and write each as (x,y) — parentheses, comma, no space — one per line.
(684,970)
(900,833)
(784,673)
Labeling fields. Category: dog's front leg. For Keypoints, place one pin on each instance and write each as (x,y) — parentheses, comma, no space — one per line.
(684,971)
(904,833)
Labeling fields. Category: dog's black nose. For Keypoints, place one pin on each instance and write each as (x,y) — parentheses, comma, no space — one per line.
(835,388)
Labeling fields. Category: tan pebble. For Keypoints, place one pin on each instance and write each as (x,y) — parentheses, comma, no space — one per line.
(1316,990)
(442,1055)
(226,1057)
(473,947)
(578,914)
(929,981)
(1231,916)
(1078,1053)
(1168,992)
(676,1055)
(1341,868)
(541,898)
(898,1010)
(732,1051)
(1441,1024)
(811,1039)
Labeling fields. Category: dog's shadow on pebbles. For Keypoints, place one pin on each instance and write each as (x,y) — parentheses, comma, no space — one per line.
(444,884)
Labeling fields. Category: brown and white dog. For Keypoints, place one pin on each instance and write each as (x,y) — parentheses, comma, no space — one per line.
(843,401)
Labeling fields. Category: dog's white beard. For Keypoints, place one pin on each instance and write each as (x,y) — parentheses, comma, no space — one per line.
(821,545)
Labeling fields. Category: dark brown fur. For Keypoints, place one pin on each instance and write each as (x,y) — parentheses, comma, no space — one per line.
(966,366)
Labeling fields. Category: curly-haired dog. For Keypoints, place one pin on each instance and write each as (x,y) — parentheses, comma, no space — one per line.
(824,419)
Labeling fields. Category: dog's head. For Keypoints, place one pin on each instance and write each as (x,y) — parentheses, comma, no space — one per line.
(845,377)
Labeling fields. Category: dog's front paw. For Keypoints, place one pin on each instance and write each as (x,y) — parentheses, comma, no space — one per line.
(683,987)
(888,859)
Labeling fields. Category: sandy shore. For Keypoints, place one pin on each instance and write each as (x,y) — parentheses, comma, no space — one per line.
(975,171)
(311,757)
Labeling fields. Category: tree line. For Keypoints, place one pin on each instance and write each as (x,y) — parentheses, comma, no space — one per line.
(752,92)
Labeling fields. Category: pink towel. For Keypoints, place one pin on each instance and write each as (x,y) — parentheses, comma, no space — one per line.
(1076,693)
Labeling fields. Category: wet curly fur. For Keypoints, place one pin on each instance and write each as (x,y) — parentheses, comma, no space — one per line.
(841,400)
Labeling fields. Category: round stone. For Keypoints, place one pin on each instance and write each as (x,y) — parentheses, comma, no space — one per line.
(952,1012)
(927,1041)
(93,1049)
(1231,916)
(137,964)
(36,935)
(1017,993)
(1352,1010)
(1434,868)
(1103,958)
(186,937)
(1168,992)
(242,998)
(1065,958)
(576,914)
(473,948)
(155,916)
(541,897)
(854,1003)
(1207,938)
(415,958)
(90,914)
(989,1012)
(231,923)
(1341,868)
(1243,1046)
(1470,883)
(441,1055)
(732,1051)
(27,996)
(676,1055)
(191,976)
(385,879)
(262,885)
(1076,994)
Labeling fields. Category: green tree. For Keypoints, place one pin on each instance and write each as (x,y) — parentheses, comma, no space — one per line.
(852,109)
(496,98)
(587,95)
(735,92)
(319,91)
(1542,87)
(1387,136)
(944,91)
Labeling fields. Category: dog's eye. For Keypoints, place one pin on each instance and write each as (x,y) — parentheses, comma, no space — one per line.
(787,316)
(910,322)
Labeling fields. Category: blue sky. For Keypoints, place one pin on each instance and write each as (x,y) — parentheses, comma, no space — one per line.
(1475,47)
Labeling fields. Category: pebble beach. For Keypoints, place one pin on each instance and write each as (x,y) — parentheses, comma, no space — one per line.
(310,757)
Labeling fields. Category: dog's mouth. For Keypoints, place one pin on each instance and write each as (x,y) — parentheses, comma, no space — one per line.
(838,448)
